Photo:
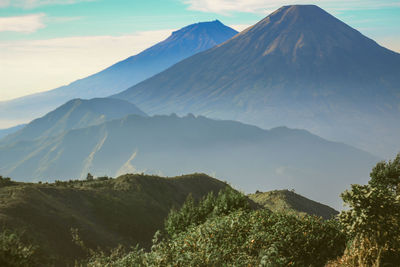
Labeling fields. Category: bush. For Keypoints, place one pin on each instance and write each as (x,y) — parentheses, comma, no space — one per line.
(89,177)
(190,214)
(223,231)
(15,252)
(6,181)
(373,220)
(255,238)
(103,178)
(245,238)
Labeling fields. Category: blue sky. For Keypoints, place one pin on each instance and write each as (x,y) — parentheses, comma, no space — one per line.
(53,42)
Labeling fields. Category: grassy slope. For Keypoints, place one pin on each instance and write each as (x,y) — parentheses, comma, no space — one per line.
(288,201)
(126,210)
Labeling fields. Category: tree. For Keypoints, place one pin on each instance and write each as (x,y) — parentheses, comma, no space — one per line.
(89,177)
(5,181)
(192,213)
(373,220)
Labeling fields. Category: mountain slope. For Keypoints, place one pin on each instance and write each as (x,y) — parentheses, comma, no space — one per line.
(299,67)
(106,212)
(248,157)
(7,131)
(289,201)
(180,45)
(74,114)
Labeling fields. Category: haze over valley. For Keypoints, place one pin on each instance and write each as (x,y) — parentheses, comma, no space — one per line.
(298,67)
(210,133)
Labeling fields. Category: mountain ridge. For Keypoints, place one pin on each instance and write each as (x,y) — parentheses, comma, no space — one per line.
(123,74)
(6,131)
(76,113)
(245,155)
(299,67)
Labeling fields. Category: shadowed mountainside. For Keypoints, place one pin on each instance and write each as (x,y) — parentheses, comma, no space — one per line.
(247,156)
(74,114)
(299,67)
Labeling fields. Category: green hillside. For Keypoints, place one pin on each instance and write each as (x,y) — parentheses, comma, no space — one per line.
(224,230)
(289,201)
(106,212)
(109,212)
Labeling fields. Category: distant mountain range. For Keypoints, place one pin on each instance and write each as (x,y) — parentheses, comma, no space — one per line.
(74,114)
(299,67)
(248,157)
(181,44)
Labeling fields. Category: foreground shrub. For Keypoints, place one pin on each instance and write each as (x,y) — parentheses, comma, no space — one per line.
(15,252)
(191,213)
(232,234)
(251,239)
(373,220)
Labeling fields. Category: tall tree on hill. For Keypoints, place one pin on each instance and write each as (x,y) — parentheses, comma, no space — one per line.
(373,219)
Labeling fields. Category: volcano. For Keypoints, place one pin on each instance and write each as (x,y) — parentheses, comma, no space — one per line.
(300,67)
(181,44)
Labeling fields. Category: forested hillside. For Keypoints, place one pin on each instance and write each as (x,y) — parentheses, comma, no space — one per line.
(105,212)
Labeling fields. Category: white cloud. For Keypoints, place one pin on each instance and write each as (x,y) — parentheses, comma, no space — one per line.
(27,23)
(226,6)
(240,27)
(38,65)
(267,6)
(36,3)
(4,3)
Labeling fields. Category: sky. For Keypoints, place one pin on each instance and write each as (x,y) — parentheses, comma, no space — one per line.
(45,44)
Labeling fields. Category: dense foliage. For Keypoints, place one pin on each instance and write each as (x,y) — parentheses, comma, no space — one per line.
(192,214)
(231,234)
(14,251)
(373,220)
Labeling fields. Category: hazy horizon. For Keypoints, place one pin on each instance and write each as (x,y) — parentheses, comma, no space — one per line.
(45,42)
(154,133)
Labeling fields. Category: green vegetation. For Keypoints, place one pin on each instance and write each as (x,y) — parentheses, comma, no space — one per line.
(212,206)
(289,201)
(373,220)
(198,235)
(6,181)
(105,212)
(110,222)
(14,251)
(227,232)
